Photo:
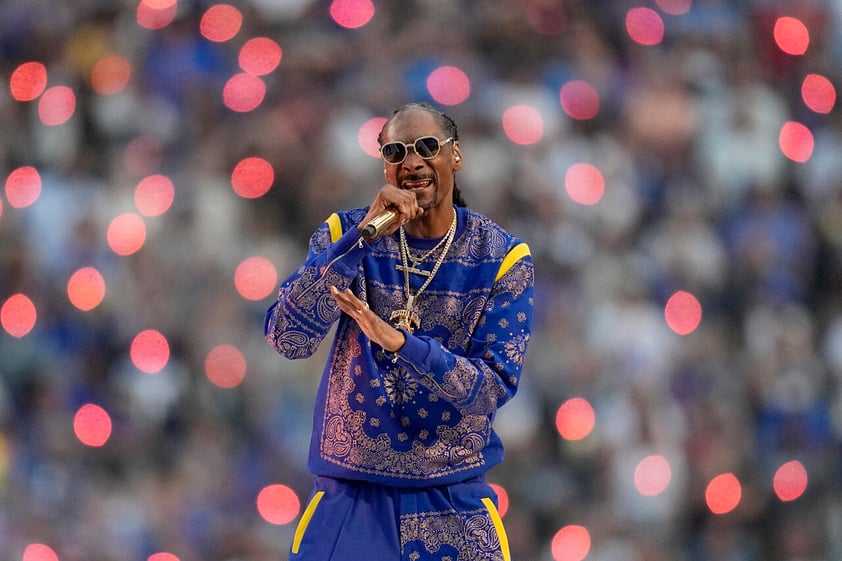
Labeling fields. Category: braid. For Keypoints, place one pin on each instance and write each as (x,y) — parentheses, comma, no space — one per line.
(448,127)
(458,199)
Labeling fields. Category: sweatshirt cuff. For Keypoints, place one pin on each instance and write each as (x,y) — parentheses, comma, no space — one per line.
(420,352)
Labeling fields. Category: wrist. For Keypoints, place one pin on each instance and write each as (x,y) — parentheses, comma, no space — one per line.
(395,343)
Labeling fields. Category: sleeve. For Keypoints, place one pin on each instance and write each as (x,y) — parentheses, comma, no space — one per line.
(298,321)
(488,376)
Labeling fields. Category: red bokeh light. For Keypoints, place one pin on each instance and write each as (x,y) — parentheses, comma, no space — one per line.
(126,234)
(645,26)
(723,493)
(260,56)
(225,366)
(367,137)
(352,13)
(220,23)
(818,93)
(162,556)
(571,543)
(790,481)
(23,186)
(278,504)
(449,85)
(110,74)
(502,499)
(585,184)
(791,35)
(92,425)
(243,92)
(523,124)
(255,278)
(39,552)
(150,351)
(683,312)
(86,288)
(652,475)
(252,177)
(675,7)
(796,141)
(156,14)
(160,4)
(28,81)
(579,99)
(18,315)
(154,195)
(56,105)
(575,419)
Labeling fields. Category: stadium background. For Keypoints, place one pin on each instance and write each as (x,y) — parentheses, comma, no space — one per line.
(674,165)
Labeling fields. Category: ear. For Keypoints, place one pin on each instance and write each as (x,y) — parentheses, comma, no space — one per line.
(457,157)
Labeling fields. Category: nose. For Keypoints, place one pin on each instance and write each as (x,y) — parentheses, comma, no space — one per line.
(412,160)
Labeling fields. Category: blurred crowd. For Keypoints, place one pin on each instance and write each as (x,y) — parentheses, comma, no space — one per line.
(698,197)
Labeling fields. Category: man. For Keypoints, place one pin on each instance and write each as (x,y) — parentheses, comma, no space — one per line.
(434,312)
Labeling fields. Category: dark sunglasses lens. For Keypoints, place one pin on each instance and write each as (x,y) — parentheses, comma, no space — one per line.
(393,152)
(427,147)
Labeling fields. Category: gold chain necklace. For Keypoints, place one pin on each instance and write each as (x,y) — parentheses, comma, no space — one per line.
(414,261)
(407,318)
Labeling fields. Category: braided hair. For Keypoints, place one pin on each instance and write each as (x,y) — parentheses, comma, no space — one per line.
(448,127)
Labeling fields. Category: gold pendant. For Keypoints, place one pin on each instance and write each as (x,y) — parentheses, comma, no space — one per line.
(406,319)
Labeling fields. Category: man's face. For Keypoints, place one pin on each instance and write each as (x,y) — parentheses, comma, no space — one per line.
(431,180)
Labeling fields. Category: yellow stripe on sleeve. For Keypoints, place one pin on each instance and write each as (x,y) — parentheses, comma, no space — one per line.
(335,226)
(517,253)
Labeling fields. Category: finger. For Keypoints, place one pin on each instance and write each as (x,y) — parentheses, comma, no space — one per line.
(340,298)
(348,302)
(404,202)
(358,305)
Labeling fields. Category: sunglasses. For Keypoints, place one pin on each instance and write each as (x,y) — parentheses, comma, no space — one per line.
(426,147)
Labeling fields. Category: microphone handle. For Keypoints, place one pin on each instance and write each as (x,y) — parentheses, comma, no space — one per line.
(378,223)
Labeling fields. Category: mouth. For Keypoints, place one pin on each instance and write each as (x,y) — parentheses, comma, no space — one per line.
(416,183)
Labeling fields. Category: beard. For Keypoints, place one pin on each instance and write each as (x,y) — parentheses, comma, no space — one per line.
(426,197)
(432,198)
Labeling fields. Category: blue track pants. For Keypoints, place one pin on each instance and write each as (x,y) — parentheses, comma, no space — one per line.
(361,521)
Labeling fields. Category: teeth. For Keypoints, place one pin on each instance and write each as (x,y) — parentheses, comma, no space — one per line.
(416,184)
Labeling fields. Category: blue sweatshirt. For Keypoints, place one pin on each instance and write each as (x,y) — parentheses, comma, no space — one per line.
(421,416)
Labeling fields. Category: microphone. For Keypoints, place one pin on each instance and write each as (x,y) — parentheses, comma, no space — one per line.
(378,223)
